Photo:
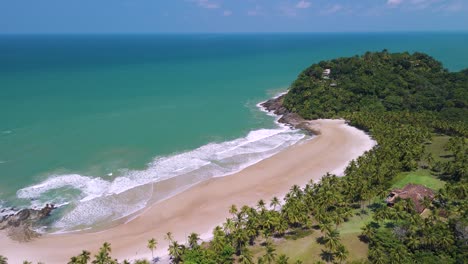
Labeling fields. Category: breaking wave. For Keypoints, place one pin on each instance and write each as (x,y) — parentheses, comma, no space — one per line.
(90,200)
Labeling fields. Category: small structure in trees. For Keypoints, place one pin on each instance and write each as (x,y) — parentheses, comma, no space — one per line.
(414,192)
(326,74)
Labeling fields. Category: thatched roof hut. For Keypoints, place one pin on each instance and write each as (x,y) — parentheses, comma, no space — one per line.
(415,192)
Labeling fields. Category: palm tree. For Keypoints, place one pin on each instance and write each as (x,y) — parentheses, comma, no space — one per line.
(175,251)
(168,237)
(246,257)
(282,259)
(445,241)
(142,261)
(240,240)
(377,256)
(296,190)
(325,227)
(229,226)
(275,202)
(368,231)
(261,205)
(101,257)
(332,240)
(337,219)
(412,242)
(3,260)
(193,240)
(283,226)
(107,247)
(152,244)
(233,210)
(341,253)
(85,256)
(73,260)
(270,254)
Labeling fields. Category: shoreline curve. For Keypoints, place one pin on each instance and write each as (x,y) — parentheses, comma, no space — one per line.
(204,205)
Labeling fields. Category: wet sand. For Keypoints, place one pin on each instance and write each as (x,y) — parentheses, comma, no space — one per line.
(203,206)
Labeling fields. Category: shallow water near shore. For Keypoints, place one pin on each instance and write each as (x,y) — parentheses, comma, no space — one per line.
(90,122)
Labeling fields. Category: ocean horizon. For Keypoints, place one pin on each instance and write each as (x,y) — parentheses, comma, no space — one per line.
(90,121)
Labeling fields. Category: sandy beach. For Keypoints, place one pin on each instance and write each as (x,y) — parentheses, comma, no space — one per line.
(205,205)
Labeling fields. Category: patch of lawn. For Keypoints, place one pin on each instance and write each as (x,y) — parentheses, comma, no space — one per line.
(436,148)
(422,177)
(354,224)
(298,233)
(304,245)
(305,249)
(358,250)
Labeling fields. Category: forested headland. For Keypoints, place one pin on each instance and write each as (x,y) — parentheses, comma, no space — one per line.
(406,102)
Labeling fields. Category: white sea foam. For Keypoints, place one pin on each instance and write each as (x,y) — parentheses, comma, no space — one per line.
(277,117)
(5,210)
(103,200)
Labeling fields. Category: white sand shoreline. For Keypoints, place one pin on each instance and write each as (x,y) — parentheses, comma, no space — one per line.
(205,205)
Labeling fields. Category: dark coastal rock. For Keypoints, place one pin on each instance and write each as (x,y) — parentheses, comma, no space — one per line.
(275,105)
(20,226)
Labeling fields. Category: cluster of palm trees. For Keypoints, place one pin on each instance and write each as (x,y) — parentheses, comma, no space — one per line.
(329,203)
(322,204)
(457,168)
(335,251)
(103,256)
(410,234)
(401,235)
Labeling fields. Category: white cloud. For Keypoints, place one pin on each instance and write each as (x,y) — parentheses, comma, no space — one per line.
(207,4)
(394,2)
(455,7)
(257,11)
(414,4)
(227,13)
(288,11)
(451,7)
(333,9)
(303,4)
(252,12)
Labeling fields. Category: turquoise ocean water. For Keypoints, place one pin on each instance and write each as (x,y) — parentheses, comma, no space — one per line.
(86,119)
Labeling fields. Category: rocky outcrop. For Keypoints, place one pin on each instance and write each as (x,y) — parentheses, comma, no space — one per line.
(20,226)
(275,106)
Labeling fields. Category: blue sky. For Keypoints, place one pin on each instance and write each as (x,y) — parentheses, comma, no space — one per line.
(148,16)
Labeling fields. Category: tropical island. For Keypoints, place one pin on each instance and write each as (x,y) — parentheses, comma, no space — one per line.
(403,201)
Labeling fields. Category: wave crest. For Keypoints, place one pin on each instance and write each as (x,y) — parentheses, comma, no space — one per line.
(98,199)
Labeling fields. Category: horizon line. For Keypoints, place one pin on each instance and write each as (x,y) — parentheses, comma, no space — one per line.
(230,33)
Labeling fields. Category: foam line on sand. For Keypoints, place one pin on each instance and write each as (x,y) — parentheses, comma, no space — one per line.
(206,204)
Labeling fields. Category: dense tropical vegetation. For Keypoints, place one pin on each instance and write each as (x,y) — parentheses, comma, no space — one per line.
(402,100)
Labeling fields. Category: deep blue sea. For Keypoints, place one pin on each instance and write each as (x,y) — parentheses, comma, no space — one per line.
(86,119)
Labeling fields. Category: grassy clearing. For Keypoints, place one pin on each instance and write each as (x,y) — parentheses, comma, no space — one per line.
(436,148)
(308,250)
(354,224)
(422,177)
(302,245)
